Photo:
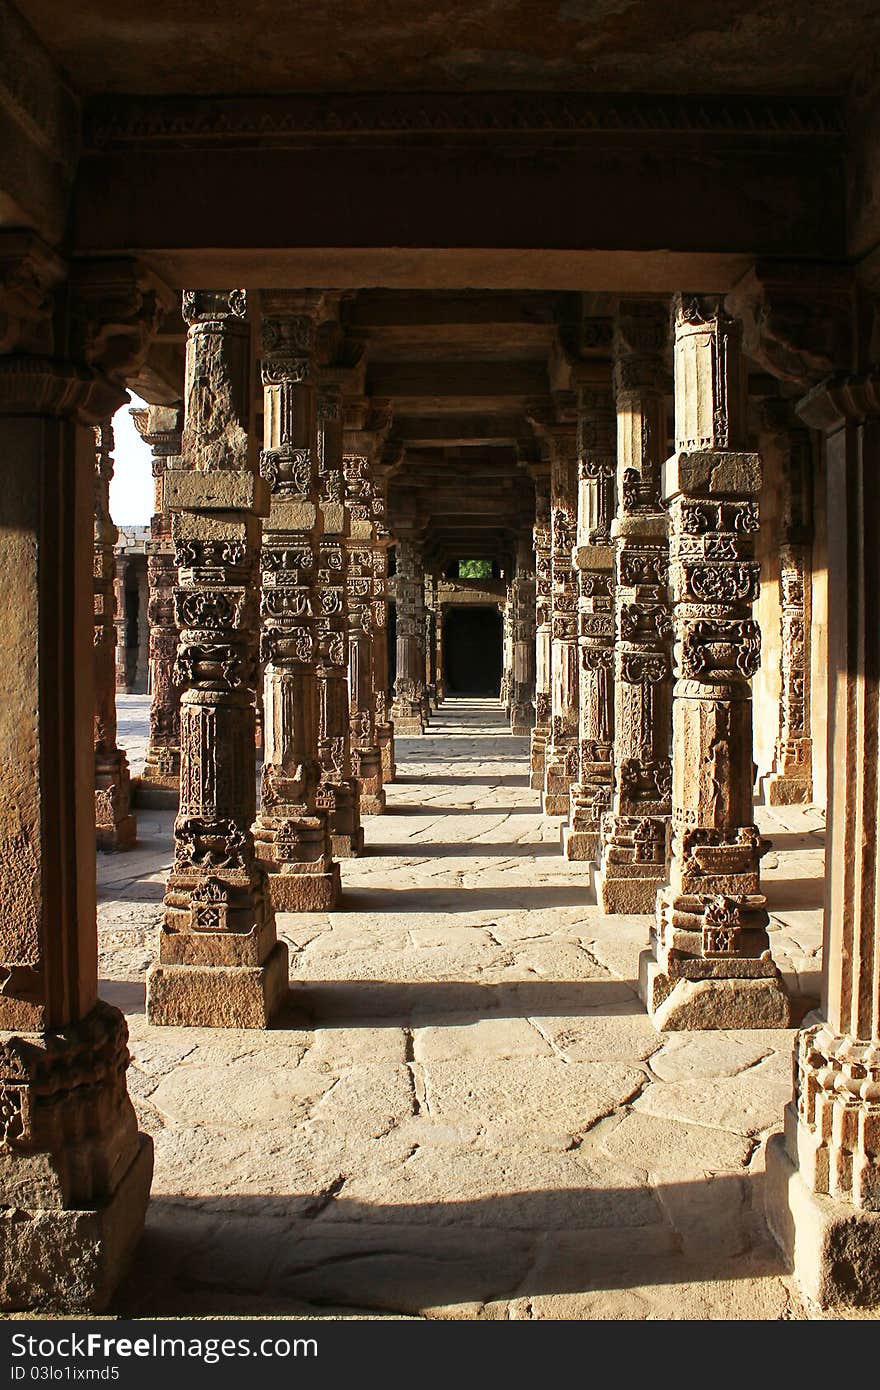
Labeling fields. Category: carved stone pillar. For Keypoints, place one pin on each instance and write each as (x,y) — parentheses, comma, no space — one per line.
(505,690)
(115,826)
(710,965)
(791,781)
(522,702)
(74,1173)
(383,543)
(439,657)
(561,755)
(823,1176)
(142,662)
(292,834)
(431,700)
(590,795)
(160,427)
(408,711)
(338,792)
(121,624)
(220,964)
(634,833)
(366,757)
(543,630)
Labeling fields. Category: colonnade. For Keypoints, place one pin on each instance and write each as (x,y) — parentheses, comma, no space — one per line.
(630,646)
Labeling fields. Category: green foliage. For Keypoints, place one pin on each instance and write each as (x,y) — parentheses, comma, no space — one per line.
(475,569)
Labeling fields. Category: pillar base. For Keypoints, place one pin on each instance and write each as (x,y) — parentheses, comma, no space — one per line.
(62,1261)
(581,845)
(757,1001)
(119,836)
(385,740)
(348,845)
(633,894)
(780,790)
(407,727)
(218,996)
(315,892)
(372,803)
(555,803)
(832,1247)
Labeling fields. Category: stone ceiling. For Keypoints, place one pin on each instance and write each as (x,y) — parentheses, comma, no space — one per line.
(698,46)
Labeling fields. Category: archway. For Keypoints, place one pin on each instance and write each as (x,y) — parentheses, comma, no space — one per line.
(472,654)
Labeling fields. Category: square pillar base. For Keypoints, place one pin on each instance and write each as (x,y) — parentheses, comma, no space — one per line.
(555,803)
(627,894)
(59,1261)
(317,892)
(732,1002)
(832,1247)
(581,845)
(218,996)
(121,835)
(407,727)
(372,803)
(349,845)
(780,790)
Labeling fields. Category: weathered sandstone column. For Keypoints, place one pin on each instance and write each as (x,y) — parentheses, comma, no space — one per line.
(365,753)
(142,663)
(522,701)
(634,833)
(505,693)
(710,964)
(823,1176)
(791,781)
(292,834)
(409,711)
(383,543)
(543,630)
(121,625)
(439,674)
(338,792)
(431,641)
(590,795)
(161,426)
(561,753)
(220,964)
(74,1173)
(115,826)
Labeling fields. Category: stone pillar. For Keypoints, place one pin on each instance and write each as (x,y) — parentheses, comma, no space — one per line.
(338,792)
(791,781)
(365,753)
(543,631)
(590,796)
(142,663)
(74,1173)
(823,1176)
(634,834)
(522,703)
(561,755)
(408,711)
(505,692)
(292,834)
(115,826)
(121,624)
(710,964)
(383,542)
(431,700)
(161,426)
(220,964)
(439,658)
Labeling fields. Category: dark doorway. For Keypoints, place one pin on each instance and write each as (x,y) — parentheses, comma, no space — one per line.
(472,650)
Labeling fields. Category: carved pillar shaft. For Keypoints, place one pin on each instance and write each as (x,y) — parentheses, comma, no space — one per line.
(635,831)
(121,624)
(365,752)
(543,630)
(522,702)
(591,792)
(74,1173)
(408,711)
(292,835)
(505,693)
(711,965)
(791,781)
(220,964)
(338,793)
(430,644)
(561,755)
(161,427)
(439,656)
(823,1178)
(384,725)
(115,826)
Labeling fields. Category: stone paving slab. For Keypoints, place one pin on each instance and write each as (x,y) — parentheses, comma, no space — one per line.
(466,1112)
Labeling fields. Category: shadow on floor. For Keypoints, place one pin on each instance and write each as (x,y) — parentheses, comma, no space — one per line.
(514,897)
(793,894)
(435,849)
(426,808)
(447,1003)
(789,840)
(507,780)
(212,1254)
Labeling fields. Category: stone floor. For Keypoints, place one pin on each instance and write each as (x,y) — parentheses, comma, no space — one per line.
(466,1112)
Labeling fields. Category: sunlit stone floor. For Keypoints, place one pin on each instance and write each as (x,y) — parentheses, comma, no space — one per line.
(466,1112)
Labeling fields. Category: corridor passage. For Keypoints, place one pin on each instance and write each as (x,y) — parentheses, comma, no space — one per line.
(466,1111)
